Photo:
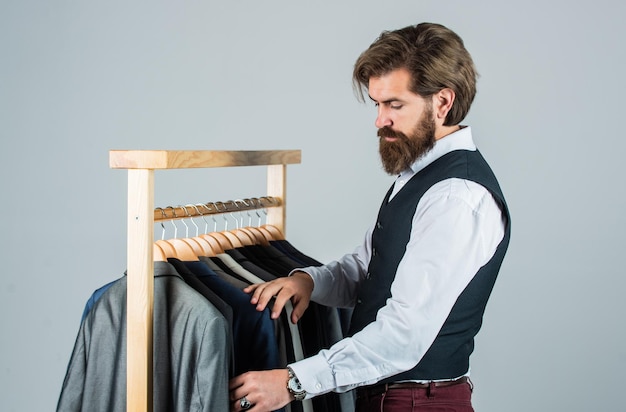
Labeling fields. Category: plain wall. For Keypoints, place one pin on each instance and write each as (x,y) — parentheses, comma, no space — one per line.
(78,79)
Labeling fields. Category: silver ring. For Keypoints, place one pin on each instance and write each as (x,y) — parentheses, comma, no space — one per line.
(244,403)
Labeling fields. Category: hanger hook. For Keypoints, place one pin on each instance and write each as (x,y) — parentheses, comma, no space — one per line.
(191,218)
(212,216)
(241,212)
(162,225)
(256,203)
(223,213)
(263,208)
(232,214)
(174,218)
(206,223)
(183,220)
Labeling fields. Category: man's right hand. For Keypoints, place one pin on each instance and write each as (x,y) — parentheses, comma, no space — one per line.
(297,288)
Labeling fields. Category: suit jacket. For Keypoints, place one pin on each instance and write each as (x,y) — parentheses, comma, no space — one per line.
(214,267)
(294,253)
(253,331)
(226,311)
(190,366)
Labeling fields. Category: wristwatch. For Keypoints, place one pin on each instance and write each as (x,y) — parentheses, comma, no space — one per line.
(294,386)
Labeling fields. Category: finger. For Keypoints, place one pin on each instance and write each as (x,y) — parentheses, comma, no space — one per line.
(298,309)
(257,293)
(263,295)
(241,400)
(237,405)
(235,383)
(279,302)
(251,288)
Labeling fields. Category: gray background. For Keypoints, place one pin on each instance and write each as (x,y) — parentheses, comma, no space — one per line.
(78,79)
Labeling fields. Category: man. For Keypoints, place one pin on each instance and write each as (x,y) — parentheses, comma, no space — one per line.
(420,282)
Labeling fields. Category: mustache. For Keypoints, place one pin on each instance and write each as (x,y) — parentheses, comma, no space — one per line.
(386,131)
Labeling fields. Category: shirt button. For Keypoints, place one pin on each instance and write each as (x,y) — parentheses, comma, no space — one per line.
(378,225)
(374,252)
(368,275)
(318,386)
(358,301)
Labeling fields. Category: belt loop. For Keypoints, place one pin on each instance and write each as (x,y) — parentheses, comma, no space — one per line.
(430,391)
(382,399)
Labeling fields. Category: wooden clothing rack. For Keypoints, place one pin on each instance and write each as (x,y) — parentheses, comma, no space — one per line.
(142,214)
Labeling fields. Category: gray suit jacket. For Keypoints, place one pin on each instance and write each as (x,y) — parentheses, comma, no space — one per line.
(191,351)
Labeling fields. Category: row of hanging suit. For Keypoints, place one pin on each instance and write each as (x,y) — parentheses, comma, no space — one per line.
(205,329)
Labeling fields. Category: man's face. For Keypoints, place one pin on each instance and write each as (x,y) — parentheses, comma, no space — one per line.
(405,121)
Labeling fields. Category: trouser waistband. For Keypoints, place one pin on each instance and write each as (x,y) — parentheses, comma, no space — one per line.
(383,388)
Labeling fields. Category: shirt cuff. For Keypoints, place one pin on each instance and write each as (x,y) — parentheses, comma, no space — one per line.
(315,375)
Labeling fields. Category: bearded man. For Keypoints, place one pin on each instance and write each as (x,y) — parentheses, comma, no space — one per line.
(420,282)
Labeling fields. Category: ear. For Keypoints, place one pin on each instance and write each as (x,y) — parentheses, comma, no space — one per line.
(442,103)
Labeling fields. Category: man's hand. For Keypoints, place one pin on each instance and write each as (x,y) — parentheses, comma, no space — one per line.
(266,390)
(297,287)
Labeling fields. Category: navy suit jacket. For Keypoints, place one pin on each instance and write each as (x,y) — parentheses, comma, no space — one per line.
(254,334)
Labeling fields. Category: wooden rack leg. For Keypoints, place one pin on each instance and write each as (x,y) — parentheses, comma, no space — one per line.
(276,186)
(140,290)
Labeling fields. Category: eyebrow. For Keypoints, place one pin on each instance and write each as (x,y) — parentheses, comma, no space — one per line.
(387,101)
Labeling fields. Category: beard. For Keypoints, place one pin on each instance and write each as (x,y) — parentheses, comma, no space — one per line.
(400,154)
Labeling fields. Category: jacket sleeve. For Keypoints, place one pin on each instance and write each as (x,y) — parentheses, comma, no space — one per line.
(71,397)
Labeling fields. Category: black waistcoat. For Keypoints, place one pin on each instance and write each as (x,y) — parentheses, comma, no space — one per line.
(448,356)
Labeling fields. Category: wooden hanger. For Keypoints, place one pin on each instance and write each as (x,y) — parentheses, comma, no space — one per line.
(216,246)
(274,231)
(199,243)
(198,249)
(232,238)
(182,249)
(224,241)
(246,238)
(220,241)
(246,234)
(232,235)
(257,235)
(166,248)
(261,235)
(266,233)
(158,255)
(205,246)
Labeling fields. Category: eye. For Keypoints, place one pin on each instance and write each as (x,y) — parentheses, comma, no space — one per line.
(396,106)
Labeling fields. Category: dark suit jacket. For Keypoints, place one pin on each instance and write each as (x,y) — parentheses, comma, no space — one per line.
(254,334)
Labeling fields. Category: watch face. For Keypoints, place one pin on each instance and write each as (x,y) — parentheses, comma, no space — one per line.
(294,385)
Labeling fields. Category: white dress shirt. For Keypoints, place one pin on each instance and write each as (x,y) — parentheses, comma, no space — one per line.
(456,229)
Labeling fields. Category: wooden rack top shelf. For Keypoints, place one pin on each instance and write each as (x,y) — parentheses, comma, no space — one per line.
(184,159)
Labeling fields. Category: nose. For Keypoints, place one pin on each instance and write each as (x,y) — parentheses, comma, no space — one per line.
(382,118)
